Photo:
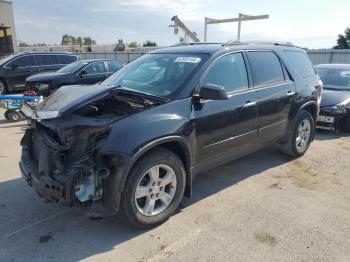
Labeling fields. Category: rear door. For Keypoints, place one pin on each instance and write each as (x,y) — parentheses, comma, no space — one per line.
(93,73)
(17,70)
(225,126)
(276,93)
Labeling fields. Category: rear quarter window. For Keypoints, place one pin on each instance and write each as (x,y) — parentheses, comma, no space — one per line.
(301,63)
(266,67)
(65,59)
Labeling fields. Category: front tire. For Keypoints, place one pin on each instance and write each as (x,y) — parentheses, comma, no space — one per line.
(154,189)
(301,136)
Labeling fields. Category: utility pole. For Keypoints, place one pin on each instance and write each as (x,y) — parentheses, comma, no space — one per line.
(240,19)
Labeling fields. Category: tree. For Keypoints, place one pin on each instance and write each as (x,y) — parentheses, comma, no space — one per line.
(149,43)
(23,44)
(88,41)
(70,39)
(133,44)
(343,41)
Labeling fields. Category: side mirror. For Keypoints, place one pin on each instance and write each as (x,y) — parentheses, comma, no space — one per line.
(14,66)
(212,92)
(83,72)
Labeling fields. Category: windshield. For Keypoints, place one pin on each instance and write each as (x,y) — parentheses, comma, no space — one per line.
(334,78)
(72,68)
(5,59)
(156,74)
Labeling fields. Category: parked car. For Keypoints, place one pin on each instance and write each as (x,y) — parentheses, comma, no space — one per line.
(79,72)
(14,69)
(137,140)
(335,102)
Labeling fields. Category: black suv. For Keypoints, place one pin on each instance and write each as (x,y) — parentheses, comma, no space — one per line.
(14,69)
(137,140)
(79,72)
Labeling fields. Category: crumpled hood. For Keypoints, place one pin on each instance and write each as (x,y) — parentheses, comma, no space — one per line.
(44,77)
(69,98)
(331,98)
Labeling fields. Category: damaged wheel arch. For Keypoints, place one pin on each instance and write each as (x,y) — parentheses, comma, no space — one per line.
(176,144)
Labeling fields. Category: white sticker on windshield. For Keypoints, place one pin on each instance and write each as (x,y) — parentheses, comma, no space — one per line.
(188,59)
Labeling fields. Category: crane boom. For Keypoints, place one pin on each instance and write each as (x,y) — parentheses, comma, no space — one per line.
(187,31)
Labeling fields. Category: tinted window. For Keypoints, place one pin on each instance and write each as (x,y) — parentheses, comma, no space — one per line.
(228,72)
(95,68)
(65,59)
(266,67)
(300,62)
(114,66)
(23,61)
(45,60)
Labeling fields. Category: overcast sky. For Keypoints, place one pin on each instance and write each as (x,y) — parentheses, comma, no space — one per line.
(308,23)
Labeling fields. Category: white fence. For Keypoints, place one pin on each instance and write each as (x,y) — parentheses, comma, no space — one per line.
(329,56)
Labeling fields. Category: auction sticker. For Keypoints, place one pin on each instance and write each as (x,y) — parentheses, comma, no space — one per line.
(187,59)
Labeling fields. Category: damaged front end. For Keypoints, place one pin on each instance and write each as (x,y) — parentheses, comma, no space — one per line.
(63,159)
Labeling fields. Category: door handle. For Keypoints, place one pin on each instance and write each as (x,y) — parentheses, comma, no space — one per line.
(249,104)
(290,93)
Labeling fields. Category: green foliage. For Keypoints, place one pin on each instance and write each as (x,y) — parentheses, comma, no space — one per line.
(72,40)
(133,44)
(343,41)
(149,43)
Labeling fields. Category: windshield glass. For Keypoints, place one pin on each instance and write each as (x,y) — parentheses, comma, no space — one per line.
(334,78)
(5,59)
(156,74)
(72,68)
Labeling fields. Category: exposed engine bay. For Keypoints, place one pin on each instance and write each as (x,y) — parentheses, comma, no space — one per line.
(62,157)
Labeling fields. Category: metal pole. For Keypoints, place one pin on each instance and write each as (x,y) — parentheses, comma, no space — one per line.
(205,29)
(239,27)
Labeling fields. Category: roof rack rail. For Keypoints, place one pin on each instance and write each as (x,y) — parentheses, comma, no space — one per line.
(235,42)
(196,43)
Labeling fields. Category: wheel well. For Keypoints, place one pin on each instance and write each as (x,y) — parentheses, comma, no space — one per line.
(4,81)
(182,152)
(312,109)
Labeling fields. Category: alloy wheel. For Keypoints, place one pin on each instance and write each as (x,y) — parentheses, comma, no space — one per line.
(155,190)
(303,135)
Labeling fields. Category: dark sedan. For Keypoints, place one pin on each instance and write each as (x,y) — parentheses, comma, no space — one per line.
(335,102)
(79,72)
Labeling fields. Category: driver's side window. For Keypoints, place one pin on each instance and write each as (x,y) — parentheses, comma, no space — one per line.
(95,68)
(229,72)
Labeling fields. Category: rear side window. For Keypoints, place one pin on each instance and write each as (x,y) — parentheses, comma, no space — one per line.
(114,66)
(266,67)
(300,62)
(42,60)
(228,72)
(65,59)
(23,61)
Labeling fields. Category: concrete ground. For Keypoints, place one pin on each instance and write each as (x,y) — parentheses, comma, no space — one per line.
(264,207)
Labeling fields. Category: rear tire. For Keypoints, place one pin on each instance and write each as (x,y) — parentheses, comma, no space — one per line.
(301,136)
(150,197)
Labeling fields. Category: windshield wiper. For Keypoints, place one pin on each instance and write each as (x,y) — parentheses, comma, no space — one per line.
(122,89)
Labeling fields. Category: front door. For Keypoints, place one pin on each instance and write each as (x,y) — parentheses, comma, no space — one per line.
(18,70)
(93,73)
(225,126)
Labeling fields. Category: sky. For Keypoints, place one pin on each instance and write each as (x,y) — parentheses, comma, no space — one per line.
(308,23)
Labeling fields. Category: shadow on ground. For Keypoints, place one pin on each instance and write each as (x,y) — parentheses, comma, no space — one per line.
(323,135)
(73,234)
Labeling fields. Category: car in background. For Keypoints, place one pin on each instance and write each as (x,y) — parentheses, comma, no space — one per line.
(80,72)
(14,69)
(335,102)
